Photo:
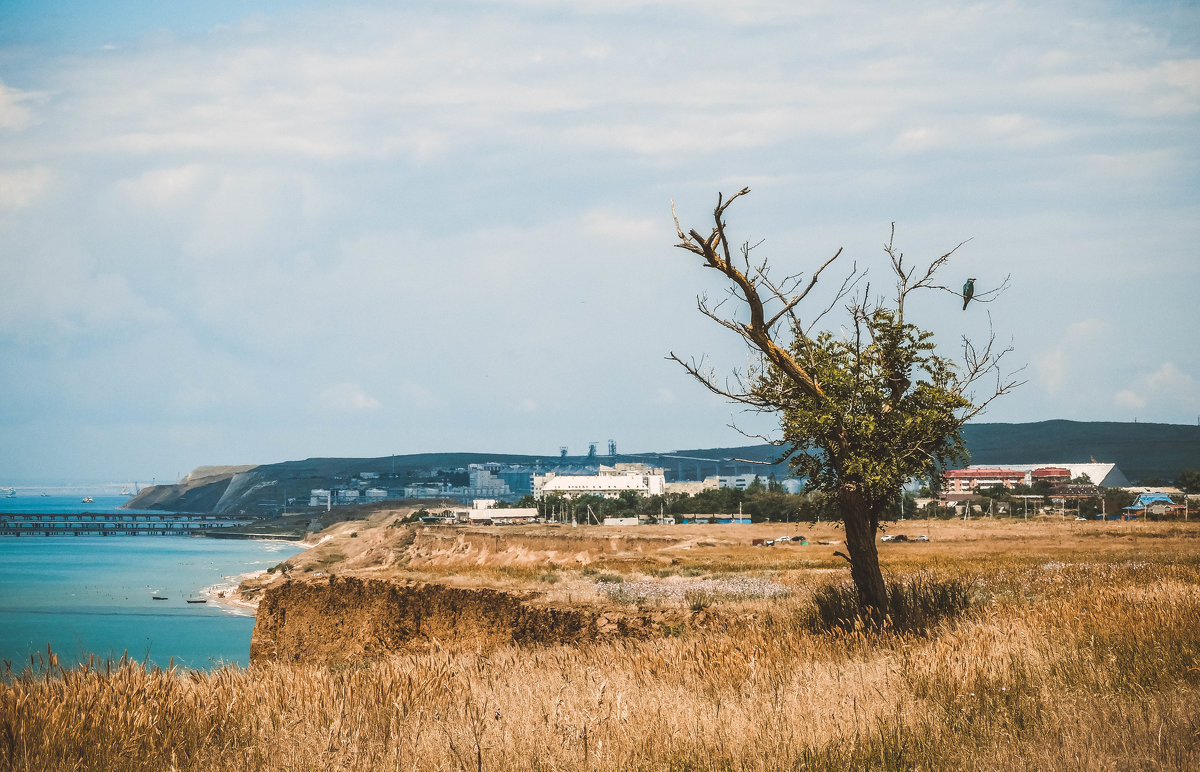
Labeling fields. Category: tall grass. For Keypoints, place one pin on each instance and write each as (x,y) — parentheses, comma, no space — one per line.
(1061,668)
(915,603)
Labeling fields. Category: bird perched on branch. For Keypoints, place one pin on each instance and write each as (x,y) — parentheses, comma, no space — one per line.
(968,292)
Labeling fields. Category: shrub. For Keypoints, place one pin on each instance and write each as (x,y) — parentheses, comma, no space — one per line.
(698,600)
(916,603)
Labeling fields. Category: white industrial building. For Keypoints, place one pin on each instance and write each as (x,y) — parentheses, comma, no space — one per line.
(740,481)
(1103,474)
(610,482)
(484,511)
(694,487)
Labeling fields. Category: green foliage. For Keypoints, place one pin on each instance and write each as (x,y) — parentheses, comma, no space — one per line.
(888,412)
(1189,481)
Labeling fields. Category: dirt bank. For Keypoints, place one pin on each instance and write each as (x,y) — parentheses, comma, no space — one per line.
(351,619)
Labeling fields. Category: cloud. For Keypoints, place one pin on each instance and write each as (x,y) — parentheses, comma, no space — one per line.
(1077,346)
(347,398)
(479,193)
(20,188)
(416,395)
(1167,390)
(15,114)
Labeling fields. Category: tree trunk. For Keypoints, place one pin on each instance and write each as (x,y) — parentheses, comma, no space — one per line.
(864,556)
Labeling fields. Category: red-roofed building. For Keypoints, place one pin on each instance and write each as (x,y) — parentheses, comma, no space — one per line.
(961,481)
(1051,474)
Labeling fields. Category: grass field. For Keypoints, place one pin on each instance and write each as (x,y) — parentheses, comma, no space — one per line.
(1076,646)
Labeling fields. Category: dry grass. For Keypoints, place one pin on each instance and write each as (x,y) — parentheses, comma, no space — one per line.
(1067,658)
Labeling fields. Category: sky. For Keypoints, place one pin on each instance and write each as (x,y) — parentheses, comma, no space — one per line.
(248,232)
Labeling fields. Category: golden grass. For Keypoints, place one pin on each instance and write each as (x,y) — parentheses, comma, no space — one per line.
(1069,659)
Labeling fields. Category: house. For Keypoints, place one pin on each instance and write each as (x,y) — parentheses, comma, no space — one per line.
(1155,504)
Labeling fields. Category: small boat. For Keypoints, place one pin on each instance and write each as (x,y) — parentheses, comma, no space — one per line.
(158,597)
(10,492)
(125,492)
(197,600)
(88,500)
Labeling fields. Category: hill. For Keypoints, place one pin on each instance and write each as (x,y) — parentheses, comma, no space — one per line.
(1141,451)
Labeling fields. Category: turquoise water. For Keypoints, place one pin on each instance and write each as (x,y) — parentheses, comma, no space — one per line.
(33,503)
(93,595)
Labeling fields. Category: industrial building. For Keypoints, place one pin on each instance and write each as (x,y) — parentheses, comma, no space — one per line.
(610,482)
(972,479)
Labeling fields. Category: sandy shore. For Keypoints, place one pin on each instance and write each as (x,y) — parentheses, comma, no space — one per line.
(226,595)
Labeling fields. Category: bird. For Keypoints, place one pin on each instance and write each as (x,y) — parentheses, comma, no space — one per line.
(968,292)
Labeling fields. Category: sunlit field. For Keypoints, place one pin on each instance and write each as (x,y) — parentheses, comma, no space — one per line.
(1039,646)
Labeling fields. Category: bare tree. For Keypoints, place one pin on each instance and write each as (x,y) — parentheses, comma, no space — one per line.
(861,412)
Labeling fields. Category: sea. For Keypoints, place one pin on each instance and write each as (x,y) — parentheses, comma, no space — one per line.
(92,597)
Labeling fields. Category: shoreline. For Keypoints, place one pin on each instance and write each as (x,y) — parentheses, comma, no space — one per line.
(227,595)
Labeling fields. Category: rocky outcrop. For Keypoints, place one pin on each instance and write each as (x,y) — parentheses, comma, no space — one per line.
(349,619)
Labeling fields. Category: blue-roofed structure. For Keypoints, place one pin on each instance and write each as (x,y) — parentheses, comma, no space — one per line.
(1154,502)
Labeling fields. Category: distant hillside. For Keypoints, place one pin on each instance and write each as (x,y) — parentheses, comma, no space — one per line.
(1141,451)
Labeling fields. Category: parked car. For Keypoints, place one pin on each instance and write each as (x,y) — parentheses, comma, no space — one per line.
(895,537)
(920,538)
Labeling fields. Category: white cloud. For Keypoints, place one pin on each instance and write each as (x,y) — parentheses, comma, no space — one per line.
(20,188)
(664,396)
(347,397)
(1166,391)
(455,189)
(1128,399)
(15,113)
(416,395)
(1072,353)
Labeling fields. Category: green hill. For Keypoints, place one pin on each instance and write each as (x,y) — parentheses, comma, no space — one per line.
(1141,451)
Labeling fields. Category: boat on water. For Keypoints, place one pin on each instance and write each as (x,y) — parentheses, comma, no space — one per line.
(8,492)
(158,597)
(88,500)
(197,600)
(125,492)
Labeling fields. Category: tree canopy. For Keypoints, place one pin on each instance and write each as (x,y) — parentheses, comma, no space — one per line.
(862,411)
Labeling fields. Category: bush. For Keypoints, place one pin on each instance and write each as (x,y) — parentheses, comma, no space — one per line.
(916,603)
(698,600)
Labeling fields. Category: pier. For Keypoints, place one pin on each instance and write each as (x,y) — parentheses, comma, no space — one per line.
(89,524)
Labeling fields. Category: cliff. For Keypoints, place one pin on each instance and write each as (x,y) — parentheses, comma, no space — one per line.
(201,491)
(352,619)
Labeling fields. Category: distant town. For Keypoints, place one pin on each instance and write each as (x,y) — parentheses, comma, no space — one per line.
(1094,490)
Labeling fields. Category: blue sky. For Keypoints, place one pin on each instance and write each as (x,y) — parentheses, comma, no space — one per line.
(239,232)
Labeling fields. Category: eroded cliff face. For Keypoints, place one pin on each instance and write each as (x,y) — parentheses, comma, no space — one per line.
(351,619)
